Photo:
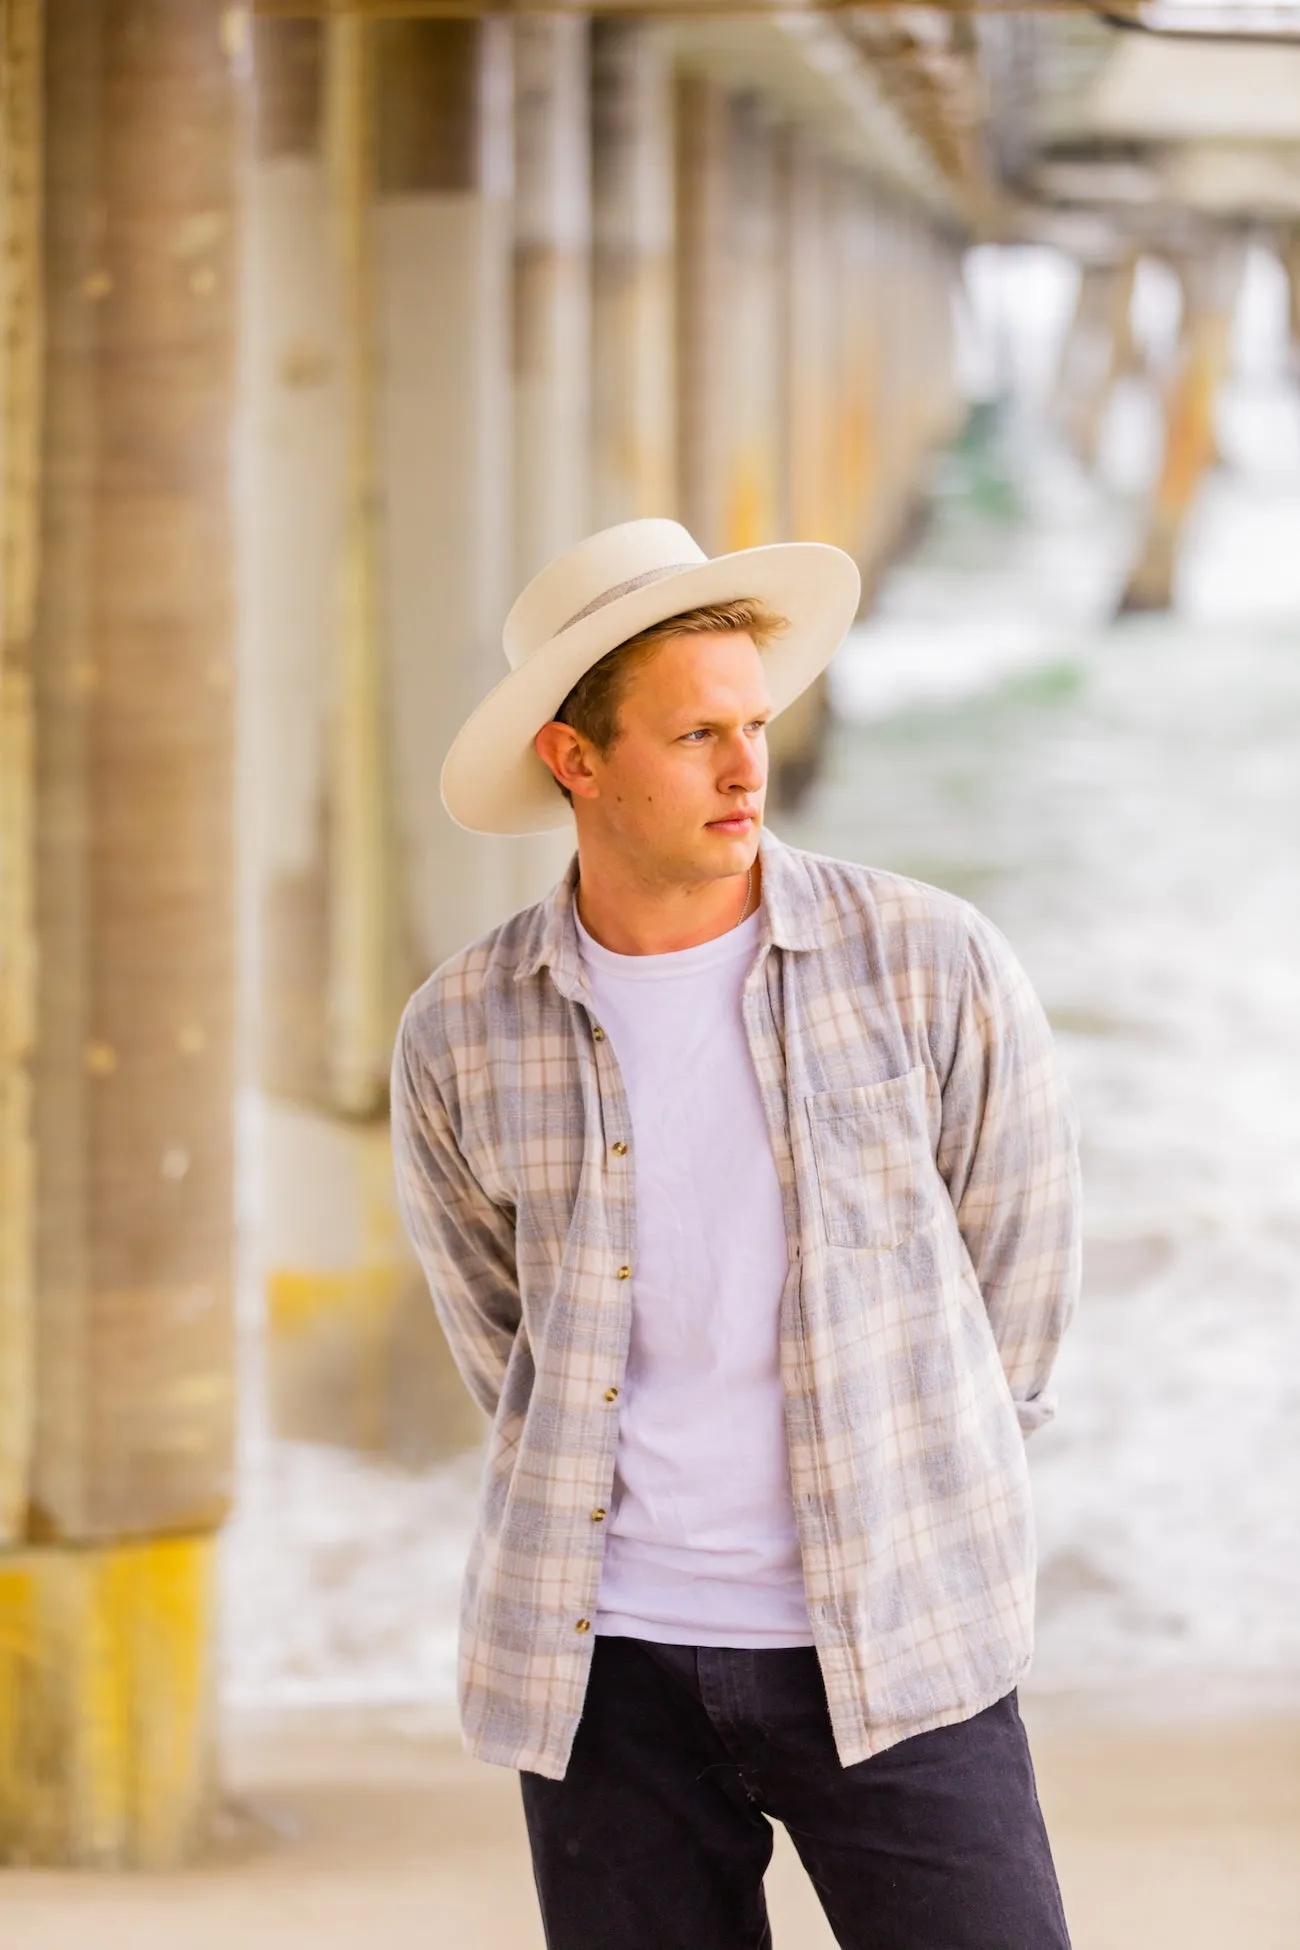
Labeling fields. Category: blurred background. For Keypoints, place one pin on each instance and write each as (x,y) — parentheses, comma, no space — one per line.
(324,328)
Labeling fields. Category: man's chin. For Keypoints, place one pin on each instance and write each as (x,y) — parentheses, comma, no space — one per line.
(724,853)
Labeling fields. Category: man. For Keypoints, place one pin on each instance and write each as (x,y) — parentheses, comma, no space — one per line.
(745,1184)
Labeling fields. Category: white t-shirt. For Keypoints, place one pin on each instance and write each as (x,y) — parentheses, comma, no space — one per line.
(701,1546)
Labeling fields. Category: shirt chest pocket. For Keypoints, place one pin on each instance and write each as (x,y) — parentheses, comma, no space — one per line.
(871,1153)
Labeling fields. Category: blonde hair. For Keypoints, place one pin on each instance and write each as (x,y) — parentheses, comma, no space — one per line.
(591,707)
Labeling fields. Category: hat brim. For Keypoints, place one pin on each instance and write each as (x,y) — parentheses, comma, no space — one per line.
(493,780)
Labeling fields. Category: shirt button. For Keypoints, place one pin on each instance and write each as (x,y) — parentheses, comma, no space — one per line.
(611,1394)
(625,1272)
(619,1149)
(598,1516)
(583,1625)
(598,1033)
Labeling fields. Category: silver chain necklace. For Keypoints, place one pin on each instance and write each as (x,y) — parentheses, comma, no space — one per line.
(749,894)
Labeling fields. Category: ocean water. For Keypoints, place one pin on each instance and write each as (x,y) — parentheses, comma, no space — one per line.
(1124,800)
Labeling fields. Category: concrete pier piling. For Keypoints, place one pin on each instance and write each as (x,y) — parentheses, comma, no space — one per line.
(362,981)
(293,474)
(552,288)
(810,338)
(551,338)
(856,301)
(633,465)
(135,775)
(749,323)
(809,345)
(444,255)
(22,291)
(730,435)
(445,414)
(129,611)
(704,307)
(347,1349)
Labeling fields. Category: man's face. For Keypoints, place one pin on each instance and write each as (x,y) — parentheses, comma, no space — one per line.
(681,791)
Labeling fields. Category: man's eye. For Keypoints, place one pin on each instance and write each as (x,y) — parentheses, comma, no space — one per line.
(695,735)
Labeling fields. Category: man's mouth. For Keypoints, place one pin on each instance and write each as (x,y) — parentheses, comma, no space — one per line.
(737,822)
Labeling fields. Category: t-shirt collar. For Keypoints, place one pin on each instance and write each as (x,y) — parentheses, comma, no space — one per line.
(788,914)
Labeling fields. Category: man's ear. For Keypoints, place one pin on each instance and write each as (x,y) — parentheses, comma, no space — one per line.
(566,755)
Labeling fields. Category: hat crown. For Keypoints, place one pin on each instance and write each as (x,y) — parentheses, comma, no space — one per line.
(594,572)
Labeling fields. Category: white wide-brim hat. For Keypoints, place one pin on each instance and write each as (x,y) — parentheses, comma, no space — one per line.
(594,597)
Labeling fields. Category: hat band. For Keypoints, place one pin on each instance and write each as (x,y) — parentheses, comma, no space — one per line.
(625,589)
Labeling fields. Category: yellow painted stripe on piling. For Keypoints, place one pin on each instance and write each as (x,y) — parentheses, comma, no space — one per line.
(20,1641)
(330,1351)
(95,1648)
(299,1301)
(105,1702)
(159,1599)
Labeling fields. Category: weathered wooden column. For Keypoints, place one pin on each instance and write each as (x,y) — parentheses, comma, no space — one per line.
(444,247)
(633,399)
(106,1621)
(1211,281)
(552,334)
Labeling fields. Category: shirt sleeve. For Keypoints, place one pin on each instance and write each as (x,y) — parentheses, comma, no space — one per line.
(1008,1152)
(465,1243)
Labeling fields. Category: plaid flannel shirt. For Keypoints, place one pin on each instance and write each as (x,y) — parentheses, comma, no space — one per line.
(926,1150)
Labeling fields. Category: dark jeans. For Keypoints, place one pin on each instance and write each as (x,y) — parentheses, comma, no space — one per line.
(658,1835)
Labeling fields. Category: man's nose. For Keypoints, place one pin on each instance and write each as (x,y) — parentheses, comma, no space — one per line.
(745,771)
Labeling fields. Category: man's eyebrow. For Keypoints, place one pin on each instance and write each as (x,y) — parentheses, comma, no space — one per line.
(713,724)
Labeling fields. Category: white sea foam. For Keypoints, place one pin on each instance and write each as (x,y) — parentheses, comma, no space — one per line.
(1131,817)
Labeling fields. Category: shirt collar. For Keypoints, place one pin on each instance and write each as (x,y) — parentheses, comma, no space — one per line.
(553,938)
(790,899)
(789,909)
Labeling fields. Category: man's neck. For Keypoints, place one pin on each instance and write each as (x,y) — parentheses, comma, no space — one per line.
(631,914)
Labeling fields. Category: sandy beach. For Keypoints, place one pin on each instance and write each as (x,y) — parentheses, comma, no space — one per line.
(337,1832)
